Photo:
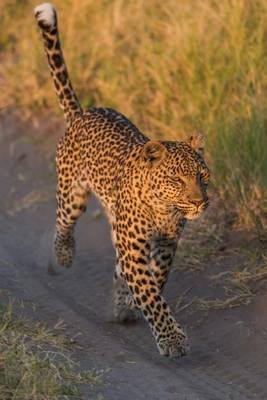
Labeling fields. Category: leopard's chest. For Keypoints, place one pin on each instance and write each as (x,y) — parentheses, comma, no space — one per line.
(168,224)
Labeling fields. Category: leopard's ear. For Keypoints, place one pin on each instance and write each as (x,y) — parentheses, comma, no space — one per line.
(197,143)
(154,153)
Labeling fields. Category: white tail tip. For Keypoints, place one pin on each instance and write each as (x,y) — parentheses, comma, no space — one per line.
(45,14)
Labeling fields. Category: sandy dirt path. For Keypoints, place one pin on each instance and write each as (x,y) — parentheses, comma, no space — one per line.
(228,359)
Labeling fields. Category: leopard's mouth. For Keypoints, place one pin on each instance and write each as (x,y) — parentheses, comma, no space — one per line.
(193,211)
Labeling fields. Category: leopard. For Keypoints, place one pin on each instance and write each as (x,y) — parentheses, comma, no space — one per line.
(148,189)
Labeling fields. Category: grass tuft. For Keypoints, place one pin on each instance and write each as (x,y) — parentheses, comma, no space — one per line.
(35,364)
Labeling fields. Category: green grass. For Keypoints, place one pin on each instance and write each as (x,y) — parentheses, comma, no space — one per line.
(35,363)
(172,67)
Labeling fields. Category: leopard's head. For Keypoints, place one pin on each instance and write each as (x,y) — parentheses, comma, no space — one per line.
(177,175)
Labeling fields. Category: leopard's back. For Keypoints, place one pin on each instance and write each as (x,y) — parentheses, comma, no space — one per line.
(98,145)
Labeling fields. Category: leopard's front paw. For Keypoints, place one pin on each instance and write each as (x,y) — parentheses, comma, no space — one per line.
(174,344)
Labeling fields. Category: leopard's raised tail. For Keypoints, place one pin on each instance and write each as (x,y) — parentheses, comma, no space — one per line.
(47,20)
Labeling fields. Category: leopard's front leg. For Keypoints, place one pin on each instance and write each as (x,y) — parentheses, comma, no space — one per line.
(133,253)
(161,257)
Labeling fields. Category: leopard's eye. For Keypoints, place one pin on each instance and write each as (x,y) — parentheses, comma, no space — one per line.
(176,179)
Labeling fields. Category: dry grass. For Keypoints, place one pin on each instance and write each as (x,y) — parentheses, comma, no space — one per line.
(170,66)
(239,298)
(35,363)
(231,264)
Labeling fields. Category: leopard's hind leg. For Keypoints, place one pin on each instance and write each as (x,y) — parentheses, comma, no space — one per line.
(70,206)
(68,211)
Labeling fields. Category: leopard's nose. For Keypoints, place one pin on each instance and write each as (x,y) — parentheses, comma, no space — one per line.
(197,202)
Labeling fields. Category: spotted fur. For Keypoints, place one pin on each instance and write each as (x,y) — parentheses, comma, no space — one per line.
(148,189)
